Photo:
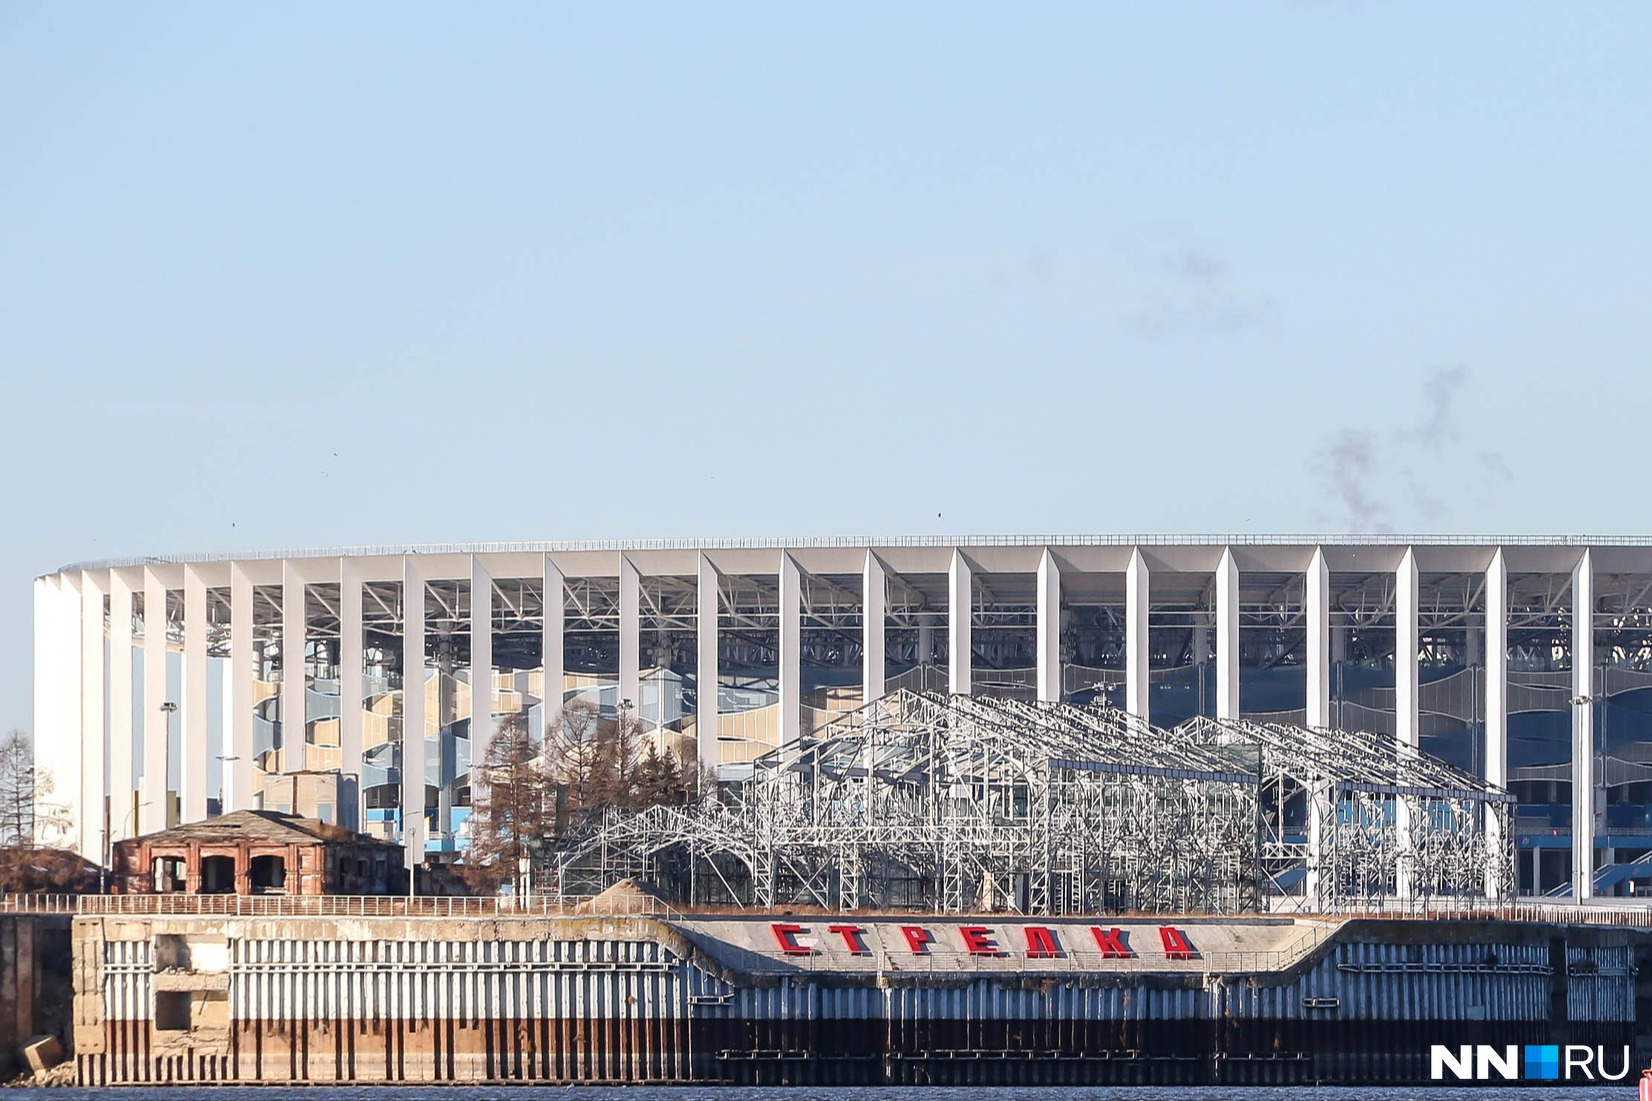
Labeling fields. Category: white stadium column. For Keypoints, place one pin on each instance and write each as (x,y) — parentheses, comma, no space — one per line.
(1227,636)
(553,608)
(243,671)
(294,642)
(156,721)
(123,780)
(1406,718)
(413,711)
(1049,629)
(66,784)
(1317,613)
(1583,729)
(481,667)
(56,751)
(630,635)
(873,611)
(791,651)
(960,615)
(1497,713)
(1136,655)
(192,755)
(93,735)
(706,718)
(352,719)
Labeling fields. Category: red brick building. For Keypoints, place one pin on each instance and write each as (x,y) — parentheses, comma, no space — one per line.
(254,852)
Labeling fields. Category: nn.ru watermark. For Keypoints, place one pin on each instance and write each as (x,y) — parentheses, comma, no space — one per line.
(1540,1062)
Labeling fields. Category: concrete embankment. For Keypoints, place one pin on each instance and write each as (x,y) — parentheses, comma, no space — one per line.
(839,999)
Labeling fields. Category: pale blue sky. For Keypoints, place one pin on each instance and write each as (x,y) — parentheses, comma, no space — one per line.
(618,270)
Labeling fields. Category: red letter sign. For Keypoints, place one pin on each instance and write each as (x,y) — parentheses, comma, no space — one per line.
(1111,943)
(1041,943)
(786,937)
(917,939)
(851,938)
(976,941)
(1176,946)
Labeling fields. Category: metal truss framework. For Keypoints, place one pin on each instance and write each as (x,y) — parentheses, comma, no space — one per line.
(959,803)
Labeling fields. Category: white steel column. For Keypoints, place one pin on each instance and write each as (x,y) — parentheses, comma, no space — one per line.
(413,712)
(1136,654)
(53,741)
(1583,729)
(553,607)
(294,643)
(1317,619)
(1227,636)
(481,669)
(93,737)
(1406,611)
(243,671)
(152,804)
(630,634)
(66,783)
(123,780)
(960,616)
(1496,652)
(192,755)
(1049,629)
(873,612)
(706,715)
(791,651)
(351,701)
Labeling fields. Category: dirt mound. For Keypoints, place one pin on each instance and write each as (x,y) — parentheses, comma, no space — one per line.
(628,896)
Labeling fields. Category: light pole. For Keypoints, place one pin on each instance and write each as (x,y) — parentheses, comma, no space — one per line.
(168,708)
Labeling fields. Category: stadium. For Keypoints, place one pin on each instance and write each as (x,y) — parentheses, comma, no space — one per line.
(912,721)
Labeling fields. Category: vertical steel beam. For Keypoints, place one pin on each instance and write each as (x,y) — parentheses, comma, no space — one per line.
(481,669)
(554,609)
(1497,712)
(1583,729)
(1049,628)
(1136,653)
(294,642)
(960,618)
(1227,636)
(1317,614)
(352,718)
(243,671)
(413,712)
(706,716)
(791,652)
(94,737)
(630,634)
(874,594)
(1406,716)
(123,778)
(152,804)
(192,755)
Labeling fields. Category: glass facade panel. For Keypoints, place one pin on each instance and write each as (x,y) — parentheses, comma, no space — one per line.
(1623,732)
(1093,639)
(1273,647)
(748,667)
(1181,645)
(1540,726)
(591,642)
(1004,636)
(1362,652)
(1451,668)
(381,697)
(447,688)
(832,647)
(268,662)
(916,646)
(321,687)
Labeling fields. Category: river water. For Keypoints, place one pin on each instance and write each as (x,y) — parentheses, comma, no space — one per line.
(826,1093)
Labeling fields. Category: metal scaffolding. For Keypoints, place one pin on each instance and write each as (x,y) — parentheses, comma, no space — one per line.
(961,803)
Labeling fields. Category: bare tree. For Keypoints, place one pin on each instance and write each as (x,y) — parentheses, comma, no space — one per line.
(513,807)
(611,762)
(25,811)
